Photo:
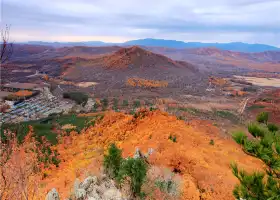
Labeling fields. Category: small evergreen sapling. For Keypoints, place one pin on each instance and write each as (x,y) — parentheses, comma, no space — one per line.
(112,161)
(136,169)
(262,117)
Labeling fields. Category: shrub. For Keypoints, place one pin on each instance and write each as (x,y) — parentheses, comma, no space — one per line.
(251,146)
(168,186)
(148,103)
(253,107)
(173,138)
(112,161)
(95,107)
(132,112)
(104,103)
(125,103)
(227,115)
(256,130)
(55,161)
(239,137)
(136,169)
(153,108)
(136,104)
(262,117)
(115,104)
(267,140)
(180,118)
(272,127)
(211,142)
(79,97)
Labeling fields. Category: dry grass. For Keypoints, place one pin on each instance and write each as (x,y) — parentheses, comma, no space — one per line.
(139,82)
(86,84)
(201,166)
(274,82)
(68,126)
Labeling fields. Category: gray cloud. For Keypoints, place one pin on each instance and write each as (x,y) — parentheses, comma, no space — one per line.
(189,20)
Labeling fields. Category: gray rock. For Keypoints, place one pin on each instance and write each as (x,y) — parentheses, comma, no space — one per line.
(80,194)
(150,152)
(137,153)
(88,181)
(76,184)
(94,194)
(112,194)
(52,195)
(93,198)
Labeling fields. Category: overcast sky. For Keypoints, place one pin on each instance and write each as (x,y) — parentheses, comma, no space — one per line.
(252,21)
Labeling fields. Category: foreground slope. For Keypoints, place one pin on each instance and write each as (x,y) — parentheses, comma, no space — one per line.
(204,169)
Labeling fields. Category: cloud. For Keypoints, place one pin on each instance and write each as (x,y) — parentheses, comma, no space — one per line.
(202,20)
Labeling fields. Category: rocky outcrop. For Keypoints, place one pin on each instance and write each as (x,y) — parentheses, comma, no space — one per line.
(92,188)
(52,195)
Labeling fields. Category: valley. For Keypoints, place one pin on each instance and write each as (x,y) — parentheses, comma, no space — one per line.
(178,106)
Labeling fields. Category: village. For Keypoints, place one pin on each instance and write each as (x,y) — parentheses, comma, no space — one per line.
(28,101)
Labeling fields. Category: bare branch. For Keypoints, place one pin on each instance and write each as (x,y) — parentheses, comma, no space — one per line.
(6,47)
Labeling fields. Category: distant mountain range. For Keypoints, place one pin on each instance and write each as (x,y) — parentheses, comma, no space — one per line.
(234,46)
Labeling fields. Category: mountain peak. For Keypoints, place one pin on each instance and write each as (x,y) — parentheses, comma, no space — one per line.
(135,57)
(132,50)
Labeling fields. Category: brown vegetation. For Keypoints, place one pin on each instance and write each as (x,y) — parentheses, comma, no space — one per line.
(137,57)
(218,81)
(204,168)
(23,93)
(18,168)
(139,82)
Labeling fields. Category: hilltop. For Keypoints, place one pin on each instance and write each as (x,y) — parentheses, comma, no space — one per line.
(136,57)
(112,70)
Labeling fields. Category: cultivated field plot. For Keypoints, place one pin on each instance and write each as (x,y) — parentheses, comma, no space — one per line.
(270,82)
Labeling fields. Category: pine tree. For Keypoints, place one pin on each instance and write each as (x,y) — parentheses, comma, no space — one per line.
(112,161)
(136,169)
(266,146)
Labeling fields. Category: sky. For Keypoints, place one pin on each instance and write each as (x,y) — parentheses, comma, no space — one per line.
(250,21)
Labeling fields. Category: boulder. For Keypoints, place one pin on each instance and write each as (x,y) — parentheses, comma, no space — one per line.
(76,185)
(95,194)
(88,181)
(93,198)
(52,195)
(137,153)
(80,194)
(112,194)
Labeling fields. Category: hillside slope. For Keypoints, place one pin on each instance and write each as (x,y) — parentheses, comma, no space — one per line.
(204,169)
(136,57)
(113,70)
(224,60)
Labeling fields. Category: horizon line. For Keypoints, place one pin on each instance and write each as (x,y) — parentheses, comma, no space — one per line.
(87,41)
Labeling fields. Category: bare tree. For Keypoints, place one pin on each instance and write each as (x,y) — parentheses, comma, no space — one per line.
(6,47)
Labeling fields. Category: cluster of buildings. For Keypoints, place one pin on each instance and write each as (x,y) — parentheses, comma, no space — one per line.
(28,101)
